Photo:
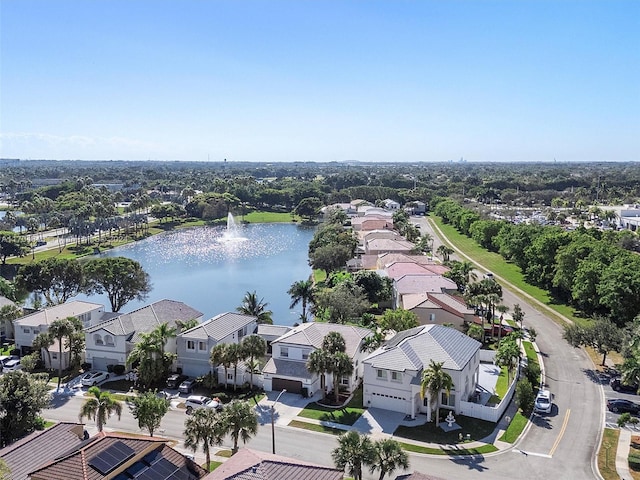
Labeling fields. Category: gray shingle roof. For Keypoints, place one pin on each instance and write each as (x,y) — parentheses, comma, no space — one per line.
(147,318)
(286,368)
(413,349)
(219,326)
(312,334)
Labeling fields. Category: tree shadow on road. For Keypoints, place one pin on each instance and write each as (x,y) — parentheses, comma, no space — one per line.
(472,462)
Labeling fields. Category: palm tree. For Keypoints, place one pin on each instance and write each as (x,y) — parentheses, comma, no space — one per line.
(389,457)
(468,270)
(333,342)
(219,356)
(203,427)
(43,341)
(256,308)
(239,420)
(58,330)
(187,324)
(100,407)
(318,363)
(162,333)
(434,380)
(445,252)
(507,355)
(353,452)
(301,291)
(631,369)
(502,309)
(254,346)
(340,366)
(235,354)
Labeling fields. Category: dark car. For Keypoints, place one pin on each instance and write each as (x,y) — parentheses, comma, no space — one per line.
(498,330)
(618,386)
(619,405)
(187,386)
(174,380)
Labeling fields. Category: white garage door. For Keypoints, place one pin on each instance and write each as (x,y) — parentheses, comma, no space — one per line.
(389,402)
(100,363)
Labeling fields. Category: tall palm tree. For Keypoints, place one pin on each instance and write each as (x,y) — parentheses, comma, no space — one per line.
(256,308)
(203,428)
(507,355)
(162,333)
(340,366)
(318,363)
(100,407)
(301,292)
(219,356)
(631,369)
(389,457)
(434,380)
(333,342)
(60,329)
(254,346)
(353,452)
(43,341)
(468,270)
(240,421)
(235,354)
(445,252)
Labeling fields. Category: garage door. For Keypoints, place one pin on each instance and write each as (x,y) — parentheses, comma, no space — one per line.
(389,402)
(100,363)
(291,386)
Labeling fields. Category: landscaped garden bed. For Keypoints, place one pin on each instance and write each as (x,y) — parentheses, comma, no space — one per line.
(473,429)
(346,415)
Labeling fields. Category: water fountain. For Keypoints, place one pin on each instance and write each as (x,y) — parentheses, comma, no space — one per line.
(232,233)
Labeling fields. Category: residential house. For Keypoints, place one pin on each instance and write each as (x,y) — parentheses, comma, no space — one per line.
(42,447)
(271,332)
(119,456)
(194,345)
(376,246)
(349,209)
(287,368)
(29,326)
(371,222)
(366,210)
(393,373)
(388,258)
(412,283)
(390,204)
(111,342)
(439,308)
(416,207)
(250,464)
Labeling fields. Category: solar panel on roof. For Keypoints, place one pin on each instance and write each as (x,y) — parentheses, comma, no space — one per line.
(182,474)
(112,457)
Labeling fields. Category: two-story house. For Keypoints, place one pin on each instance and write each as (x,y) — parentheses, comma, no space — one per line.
(287,368)
(110,342)
(194,345)
(393,373)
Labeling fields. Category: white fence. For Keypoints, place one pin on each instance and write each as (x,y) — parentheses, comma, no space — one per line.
(487,356)
(483,412)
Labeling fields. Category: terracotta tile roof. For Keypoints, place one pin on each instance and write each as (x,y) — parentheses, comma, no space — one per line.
(41,447)
(76,464)
(253,465)
(413,283)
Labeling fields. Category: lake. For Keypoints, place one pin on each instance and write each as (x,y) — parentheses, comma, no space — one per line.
(208,271)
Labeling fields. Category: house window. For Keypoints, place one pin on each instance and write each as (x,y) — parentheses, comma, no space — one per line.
(344,381)
(108,340)
(229,376)
(305,355)
(25,330)
(191,345)
(97,339)
(202,346)
(381,374)
(36,331)
(449,400)
(396,377)
(284,352)
(54,356)
(432,317)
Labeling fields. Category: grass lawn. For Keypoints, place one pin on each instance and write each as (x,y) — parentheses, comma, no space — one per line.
(120,385)
(268,217)
(502,268)
(315,427)
(346,416)
(212,466)
(477,429)
(502,385)
(319,276)
(449,451)
(514,429)
(607,454)
(7,350)
(223,453)
(49,423)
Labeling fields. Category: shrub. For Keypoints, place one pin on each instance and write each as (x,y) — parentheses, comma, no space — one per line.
(624,419)
(39,423)
(532,372)
(208,381)
(524,396)
(634,461)
(118,369)
(110,368)
(86,366)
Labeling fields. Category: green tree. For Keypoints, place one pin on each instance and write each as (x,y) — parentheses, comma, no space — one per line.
(445,252)
(340,365)
(377,288)
(100,407)
(22,398)
(149,409)
(148,354)
(398,320)
(256,308)
(330,258)
(122,279)
(476,332)
(602,334)
(60,329)
(203,428)
(631,369)
(342,303)
(235,354)
(518,314)
(30,362)
(5,471)
(434,380)
(508,355)
(308,208)
(334,342)
(58,279)
(43,341)
(389,457)
(12,245)
(8,313)
(240,421)
(354,451)
(301,291)
(318,363)
(525,396)
(254,347)
(220,356)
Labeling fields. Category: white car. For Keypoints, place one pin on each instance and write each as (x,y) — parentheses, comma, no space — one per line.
(94,378)
(543,402)
(12,365)
(195,402)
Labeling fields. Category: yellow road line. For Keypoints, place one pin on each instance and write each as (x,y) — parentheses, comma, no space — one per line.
(562,430)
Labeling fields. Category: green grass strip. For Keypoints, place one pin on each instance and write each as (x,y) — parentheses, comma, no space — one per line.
(515,428)
(315,427)
(410,447)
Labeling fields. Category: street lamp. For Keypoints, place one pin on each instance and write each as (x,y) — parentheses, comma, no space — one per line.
(273,429)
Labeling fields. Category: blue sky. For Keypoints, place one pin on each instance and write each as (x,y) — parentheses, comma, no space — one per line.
(302,80)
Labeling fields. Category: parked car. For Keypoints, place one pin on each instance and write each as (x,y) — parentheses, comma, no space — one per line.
(618,386)
(12,365)
(543,403)
(620,405)
(174,380)
(187,385)
(4,359)
(498,330)
(94,378)
(195,402)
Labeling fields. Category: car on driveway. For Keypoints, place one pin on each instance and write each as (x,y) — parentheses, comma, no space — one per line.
(94,377)
(196,402)
(618,386)
(620,405)
(175,379)
(543,403)
(187,385)
(12,365)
